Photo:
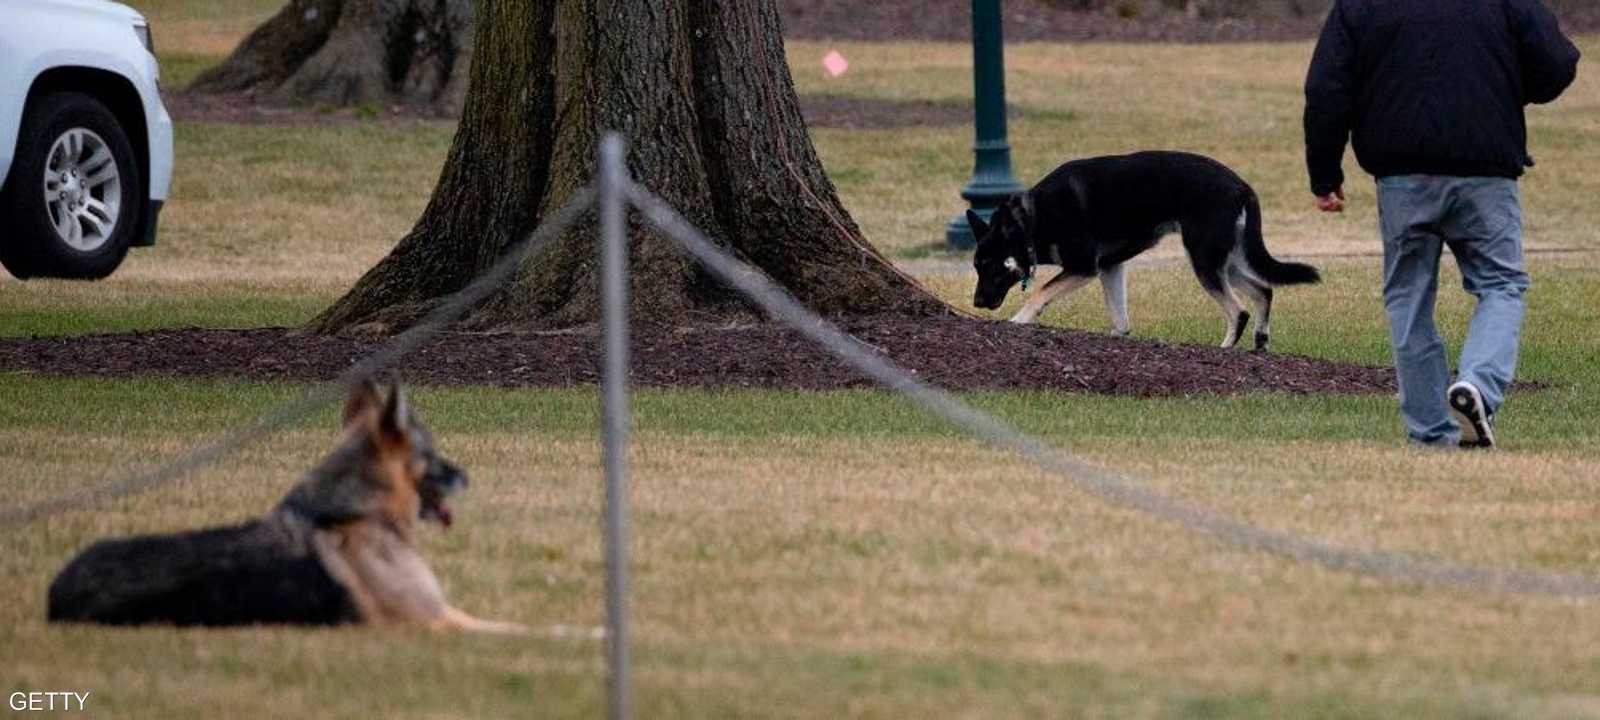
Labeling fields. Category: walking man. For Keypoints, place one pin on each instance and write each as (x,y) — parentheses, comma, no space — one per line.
(1431,94)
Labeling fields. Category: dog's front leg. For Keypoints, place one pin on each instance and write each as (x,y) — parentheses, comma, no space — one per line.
(335,549)
(453,618)
(1058,286)
(1114,286)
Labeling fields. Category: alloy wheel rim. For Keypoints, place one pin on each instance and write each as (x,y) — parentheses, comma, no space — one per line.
(82,189)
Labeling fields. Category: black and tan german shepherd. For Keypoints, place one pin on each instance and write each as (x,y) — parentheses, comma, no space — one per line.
(1090,216)
(337,549)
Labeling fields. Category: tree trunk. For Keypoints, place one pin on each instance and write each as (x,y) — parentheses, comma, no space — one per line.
(702,91)
(354,52)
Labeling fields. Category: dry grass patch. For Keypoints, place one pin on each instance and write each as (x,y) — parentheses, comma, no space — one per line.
(210,28)
(1092,99)
(839,554)
(266,227)
(760,558)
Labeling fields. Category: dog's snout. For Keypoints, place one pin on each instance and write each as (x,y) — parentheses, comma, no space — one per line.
(455,475)
(987,300)
(446,476)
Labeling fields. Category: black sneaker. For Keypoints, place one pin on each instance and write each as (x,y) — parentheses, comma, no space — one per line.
(1477,425)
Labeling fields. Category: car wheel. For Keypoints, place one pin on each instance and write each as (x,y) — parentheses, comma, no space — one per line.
(74,194)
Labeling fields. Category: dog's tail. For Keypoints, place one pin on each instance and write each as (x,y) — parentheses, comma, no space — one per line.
(1261,262)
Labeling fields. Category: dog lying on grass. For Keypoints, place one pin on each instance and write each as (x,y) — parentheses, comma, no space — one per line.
(337,549)
(1090,216)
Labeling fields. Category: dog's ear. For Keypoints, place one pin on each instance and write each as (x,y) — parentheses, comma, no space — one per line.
(396,419)
(363,401)
(979,227)
(1022,208)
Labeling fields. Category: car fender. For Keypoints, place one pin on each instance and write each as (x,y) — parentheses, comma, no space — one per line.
(30,48)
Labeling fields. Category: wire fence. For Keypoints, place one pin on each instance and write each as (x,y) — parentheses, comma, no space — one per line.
(319,396)
(615,416)
(1089,477)
(616,192)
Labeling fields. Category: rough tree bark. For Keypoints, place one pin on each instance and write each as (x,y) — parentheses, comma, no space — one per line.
(702,91)
(353,52)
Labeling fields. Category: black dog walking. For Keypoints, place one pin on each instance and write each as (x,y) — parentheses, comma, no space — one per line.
(1090,216)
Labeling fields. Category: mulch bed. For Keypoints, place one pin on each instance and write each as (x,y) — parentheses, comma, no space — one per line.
(244,109)
(954,353)
(1024,21)
(1030,20)
(879,20)
(820,111)
(857,113)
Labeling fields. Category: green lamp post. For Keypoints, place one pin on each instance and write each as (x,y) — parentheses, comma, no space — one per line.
(992,180)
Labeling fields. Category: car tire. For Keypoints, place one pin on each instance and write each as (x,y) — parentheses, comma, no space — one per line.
(75,192)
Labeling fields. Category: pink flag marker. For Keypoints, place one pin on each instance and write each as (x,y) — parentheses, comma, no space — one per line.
(835,63)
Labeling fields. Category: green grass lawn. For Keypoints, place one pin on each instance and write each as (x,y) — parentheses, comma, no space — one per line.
(806,554)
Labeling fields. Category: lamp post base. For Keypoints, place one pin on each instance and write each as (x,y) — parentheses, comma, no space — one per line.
(959,234)
(984,195)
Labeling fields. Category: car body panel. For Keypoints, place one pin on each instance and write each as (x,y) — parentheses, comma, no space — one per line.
(37,36)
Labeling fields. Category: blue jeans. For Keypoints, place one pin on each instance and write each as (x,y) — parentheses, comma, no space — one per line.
(1480,219)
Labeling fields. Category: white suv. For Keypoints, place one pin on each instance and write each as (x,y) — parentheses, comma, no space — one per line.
(85,143)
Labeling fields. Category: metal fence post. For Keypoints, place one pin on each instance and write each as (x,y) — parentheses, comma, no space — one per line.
(615,418)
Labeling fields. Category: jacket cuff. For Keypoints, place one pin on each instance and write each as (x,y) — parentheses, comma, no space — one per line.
(1323,186)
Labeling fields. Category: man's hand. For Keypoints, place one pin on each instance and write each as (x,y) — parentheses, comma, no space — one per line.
(1332,202)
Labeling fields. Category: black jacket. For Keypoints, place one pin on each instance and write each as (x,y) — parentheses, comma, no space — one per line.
(1431,87)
